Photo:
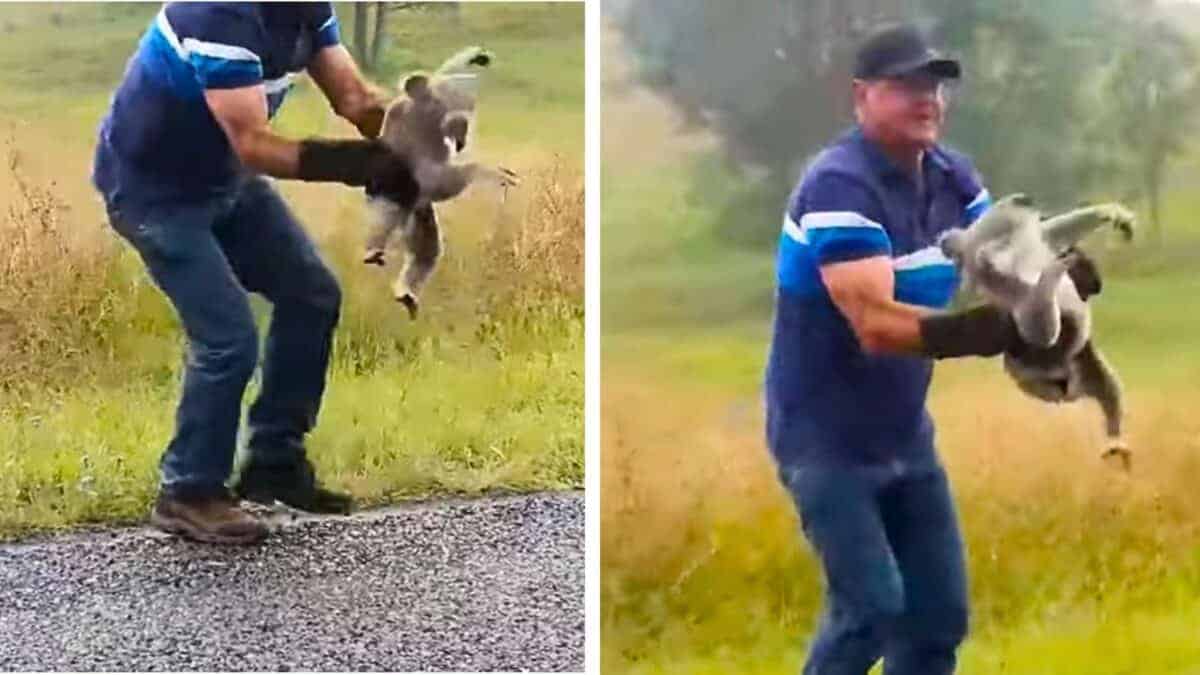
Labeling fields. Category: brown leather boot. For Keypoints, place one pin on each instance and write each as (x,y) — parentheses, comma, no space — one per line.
(214,519)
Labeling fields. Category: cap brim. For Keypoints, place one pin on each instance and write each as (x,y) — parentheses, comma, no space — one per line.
(939,67)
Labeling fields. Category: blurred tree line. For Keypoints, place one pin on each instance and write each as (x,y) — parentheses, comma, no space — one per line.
(370,23)
(1062,100)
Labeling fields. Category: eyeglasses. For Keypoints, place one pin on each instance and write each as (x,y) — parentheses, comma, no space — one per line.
(916,85)
(920,84)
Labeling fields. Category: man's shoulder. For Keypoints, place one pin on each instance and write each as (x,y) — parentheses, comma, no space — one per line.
(839,164)
(213,20)
(206,10)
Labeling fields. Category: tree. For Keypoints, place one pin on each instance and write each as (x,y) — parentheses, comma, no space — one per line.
(1153,94)
(380,30)
(360,34)
(369,51)
(772,79)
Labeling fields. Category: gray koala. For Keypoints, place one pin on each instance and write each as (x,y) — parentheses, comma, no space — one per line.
(1016,260)
(429,124)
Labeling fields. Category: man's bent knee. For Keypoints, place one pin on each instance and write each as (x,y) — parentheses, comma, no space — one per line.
(236,357)
(934,629)
(322,293)
(869,618)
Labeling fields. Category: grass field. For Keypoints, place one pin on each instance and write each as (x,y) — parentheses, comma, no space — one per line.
(1074,566)
(483,393)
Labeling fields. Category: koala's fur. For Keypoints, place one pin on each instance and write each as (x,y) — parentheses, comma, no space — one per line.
(429,124)
(1018,261)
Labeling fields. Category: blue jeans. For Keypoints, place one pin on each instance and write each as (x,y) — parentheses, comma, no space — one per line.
(888,540)
(206,257)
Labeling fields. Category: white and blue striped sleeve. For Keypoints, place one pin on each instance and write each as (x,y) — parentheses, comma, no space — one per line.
(837,218)
(980,200)
(222,42)
(327,30)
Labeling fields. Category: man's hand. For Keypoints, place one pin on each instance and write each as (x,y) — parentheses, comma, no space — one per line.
(351,95)
(358,163)
(981,331)
(989,330)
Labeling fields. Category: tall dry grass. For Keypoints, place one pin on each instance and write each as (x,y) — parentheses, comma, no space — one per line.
(701,553)
(76,304)
(63,292)
(484,393)
(542,257)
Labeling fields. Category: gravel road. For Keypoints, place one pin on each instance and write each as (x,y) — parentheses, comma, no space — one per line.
(490,584)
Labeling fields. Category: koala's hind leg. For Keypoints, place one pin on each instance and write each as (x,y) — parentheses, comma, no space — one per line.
(423,245)
(1063,231)
(1098,380)
(385,217)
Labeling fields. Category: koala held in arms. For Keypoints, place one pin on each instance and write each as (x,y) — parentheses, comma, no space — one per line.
(428,124)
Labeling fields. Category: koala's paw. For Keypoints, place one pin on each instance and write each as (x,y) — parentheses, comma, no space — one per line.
(374,257)
(410,303)
(482,58)
(1122,219)
(1120,452)
(507,177)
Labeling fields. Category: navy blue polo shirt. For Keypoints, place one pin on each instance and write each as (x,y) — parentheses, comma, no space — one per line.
(827,399)
(159,143)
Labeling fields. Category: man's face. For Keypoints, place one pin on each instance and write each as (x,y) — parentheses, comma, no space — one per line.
(904,110)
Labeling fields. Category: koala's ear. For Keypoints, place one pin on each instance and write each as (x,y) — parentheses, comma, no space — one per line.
(416,86)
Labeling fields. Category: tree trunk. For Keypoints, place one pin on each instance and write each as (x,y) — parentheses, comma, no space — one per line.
(360,32)
(380,30)
(1154,197)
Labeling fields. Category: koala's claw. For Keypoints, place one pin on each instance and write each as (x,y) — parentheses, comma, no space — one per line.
(410,303)
(508,177)
(1121,451)
(483,58)
(374,257)
(1122,219)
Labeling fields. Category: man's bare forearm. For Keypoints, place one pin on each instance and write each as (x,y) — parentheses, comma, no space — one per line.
(352,96)
(891,327)
(263,151)
(349,161)
(365,110)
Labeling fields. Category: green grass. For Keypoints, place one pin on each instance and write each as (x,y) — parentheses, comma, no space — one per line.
(1073,566)
(483,394)
(533,90)
(429,424)
(1131,644)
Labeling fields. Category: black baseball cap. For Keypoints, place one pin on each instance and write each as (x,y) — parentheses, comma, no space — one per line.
(902,50)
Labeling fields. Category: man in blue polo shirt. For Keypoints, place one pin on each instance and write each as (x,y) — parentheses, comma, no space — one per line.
(861,285)
(181,162)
